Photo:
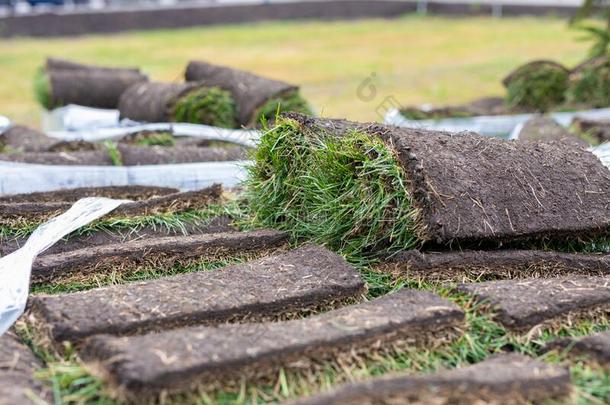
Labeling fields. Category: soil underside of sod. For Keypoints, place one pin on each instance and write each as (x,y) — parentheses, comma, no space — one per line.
(301,281)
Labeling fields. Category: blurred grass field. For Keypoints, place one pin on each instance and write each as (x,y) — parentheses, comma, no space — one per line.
(415,59)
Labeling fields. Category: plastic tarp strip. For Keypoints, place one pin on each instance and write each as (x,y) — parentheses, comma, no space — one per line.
(603,153)
(17,178)
(492,125)
(4,123)
(15,268)
(238,136)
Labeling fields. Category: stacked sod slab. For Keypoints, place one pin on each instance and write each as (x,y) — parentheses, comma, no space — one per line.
(257,98)
(62,82)
(26,145)
(372,190)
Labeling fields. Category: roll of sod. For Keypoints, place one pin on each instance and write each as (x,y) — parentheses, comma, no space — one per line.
(590,83)
(538,86)
(368,188)
(196,103)
(65,64)
(62,82)
(257,97)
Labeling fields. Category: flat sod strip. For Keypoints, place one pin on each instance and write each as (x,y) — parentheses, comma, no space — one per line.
(219,224)
(158,253)
(505,379)
(14,214)
(154,155)
(129,155)
(367,188)
(595,347)
(19,138)
(72,195)
(142,366)
(194,102)
(17,368)
(473,265)
(305,279)
(256,97)
(80,158)
(520,305)
(61,83)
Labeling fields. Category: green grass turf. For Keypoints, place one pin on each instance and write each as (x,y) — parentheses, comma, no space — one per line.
(292,102)
(345,192)
(207,105)
(156,139)
(113,152)
(537,87)
(42,88)
(591,86)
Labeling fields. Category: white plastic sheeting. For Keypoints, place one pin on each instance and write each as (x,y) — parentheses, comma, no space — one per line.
(15,268)
(603,153)
(75,118)
(502,126)
(18,178)
(205,132)
(74,122)
(4,123)
(94,125)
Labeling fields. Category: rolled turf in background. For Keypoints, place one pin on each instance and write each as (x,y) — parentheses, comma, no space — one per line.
(193,102)
(368,188)
(537,86)
(256,97)
(63,82)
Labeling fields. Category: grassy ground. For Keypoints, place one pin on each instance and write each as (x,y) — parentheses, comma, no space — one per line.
(415,59)
(72,383)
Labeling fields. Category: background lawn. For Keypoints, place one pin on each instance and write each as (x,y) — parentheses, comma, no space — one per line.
(415,59)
